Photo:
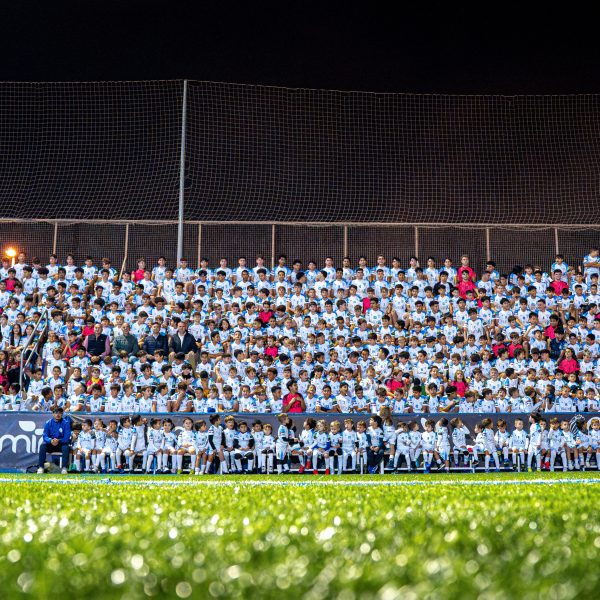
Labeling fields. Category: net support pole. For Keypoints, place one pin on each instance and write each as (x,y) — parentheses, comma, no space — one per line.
(345,240)
(417,242)
(182,173)
(55,237)
(273,246)
(487,244)
(556,246)
(125,250)
(199,258)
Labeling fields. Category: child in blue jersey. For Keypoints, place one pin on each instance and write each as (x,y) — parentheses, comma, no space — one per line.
(321,447)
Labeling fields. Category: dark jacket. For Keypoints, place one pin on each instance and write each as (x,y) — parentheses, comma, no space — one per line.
(152,344)
(188,344)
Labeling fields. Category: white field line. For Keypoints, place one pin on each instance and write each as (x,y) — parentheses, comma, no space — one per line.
(291,483)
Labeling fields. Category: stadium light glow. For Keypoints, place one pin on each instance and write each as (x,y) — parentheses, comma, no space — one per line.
(11,253)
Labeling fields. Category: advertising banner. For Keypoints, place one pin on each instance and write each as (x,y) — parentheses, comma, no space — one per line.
(21,432)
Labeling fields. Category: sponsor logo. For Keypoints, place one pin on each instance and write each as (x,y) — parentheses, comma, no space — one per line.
(27,442)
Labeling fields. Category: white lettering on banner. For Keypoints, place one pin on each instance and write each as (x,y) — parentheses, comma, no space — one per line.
(32,442)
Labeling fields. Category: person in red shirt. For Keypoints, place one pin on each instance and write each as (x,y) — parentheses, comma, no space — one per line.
(138,274)
(464,267)
(569,363)
(466,285)
(558,285)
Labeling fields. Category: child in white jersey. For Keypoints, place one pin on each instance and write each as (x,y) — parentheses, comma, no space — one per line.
(303,449)
(156,437)
(85,445)
(201,442)
(284,436)
(487,428)
(349,445)
(125,435)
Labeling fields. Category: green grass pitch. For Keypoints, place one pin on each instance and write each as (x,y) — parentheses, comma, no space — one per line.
(469,536)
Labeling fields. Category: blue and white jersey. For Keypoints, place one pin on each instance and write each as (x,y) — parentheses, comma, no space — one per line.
(215,436)
(170,441)
(284,436)
(322,440)
(86,440)
(100,435)
(307,438)
(156,438)
(125,437)
(349,440)
(375,436)
(245,440)
(186,438)
(335,439)
(230,437)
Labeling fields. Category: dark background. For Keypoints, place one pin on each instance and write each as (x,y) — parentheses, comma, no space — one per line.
(327,45)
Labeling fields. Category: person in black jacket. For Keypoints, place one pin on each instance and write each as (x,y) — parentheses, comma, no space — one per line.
(185,343)
(154,341)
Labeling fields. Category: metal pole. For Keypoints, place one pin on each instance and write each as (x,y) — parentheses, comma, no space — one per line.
(273,246)
(182,174)
(417,242)
(199,244)
(556,245)
(345,240)
(125,251)
(55,239)
(487,244)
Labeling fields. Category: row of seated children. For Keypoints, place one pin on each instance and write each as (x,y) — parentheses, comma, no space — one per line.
(379,446)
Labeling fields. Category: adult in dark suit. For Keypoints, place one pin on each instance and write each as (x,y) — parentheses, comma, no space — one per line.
(185,343)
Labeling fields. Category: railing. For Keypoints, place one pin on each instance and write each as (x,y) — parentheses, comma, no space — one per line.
(124,242)
(44,321)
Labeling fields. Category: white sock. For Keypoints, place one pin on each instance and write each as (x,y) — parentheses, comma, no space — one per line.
(496,461)
(487,462)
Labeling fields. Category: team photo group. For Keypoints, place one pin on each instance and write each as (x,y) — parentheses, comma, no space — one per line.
(408,351)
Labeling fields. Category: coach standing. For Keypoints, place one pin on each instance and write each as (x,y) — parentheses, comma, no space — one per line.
(57,438)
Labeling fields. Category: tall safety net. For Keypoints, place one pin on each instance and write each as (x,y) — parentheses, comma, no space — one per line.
(273,154)
(307,173)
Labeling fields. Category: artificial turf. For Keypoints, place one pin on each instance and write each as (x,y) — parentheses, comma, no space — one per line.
(441,536)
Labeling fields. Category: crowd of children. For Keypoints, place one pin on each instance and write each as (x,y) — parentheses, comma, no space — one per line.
(348,339)
(378,445)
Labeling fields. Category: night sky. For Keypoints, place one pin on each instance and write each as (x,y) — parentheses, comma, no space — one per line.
(303,44)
